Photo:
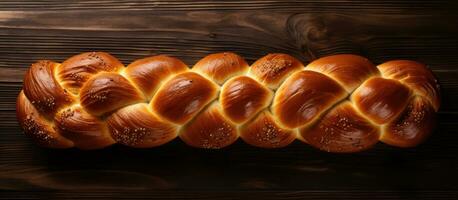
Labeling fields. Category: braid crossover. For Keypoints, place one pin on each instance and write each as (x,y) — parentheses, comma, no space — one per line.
(340,103)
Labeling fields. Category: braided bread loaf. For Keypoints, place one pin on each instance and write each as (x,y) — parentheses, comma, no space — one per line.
(340,103)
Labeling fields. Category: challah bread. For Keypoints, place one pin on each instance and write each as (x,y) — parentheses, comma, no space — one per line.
(340,103)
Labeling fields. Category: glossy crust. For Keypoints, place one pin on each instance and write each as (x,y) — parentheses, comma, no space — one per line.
(136,126)
(75,71)
(340,103)
(242,97)
(179,99)
(342,130)
(221,66)
(107,92)
(85,130)
(416,76)
(272,69)
(43,90)
(413,126)
(37,127)
(304,96)
(265,132)
(209,130)
(148,73)
(381,100)
(349,70)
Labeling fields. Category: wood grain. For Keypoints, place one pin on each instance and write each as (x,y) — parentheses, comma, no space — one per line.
(380,30)
(232,5)
(267,195)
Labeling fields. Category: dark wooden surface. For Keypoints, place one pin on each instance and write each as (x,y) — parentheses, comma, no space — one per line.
(380,30)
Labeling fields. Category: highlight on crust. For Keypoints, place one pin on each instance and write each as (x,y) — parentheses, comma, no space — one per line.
(340,103)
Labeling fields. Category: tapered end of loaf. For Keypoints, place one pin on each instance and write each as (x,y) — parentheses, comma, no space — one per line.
(43,90)
(416,76)
(37,127)
(76,70)
(412,126)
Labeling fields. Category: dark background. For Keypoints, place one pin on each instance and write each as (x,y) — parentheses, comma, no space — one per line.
(425,31)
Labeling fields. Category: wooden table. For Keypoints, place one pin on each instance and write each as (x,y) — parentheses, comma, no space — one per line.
(53,29)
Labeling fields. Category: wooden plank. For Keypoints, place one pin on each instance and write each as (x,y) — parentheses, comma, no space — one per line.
(431,166)
(233,5)
(223,194)
(54,35)
(35,35)
(380,30)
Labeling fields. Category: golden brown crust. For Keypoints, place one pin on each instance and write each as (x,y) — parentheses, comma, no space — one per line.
(349,70)
(381,100)
(243,97)
(265,132)
(342,130)
(78,69)
(412,127)
(340,103)
(273,68)
(415,75)
(179,99)
(221,66)
(148,73)
(136,126)
(36,126)
(43,90)
(209,130)
(85,130)
(107,92)
(304,96)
